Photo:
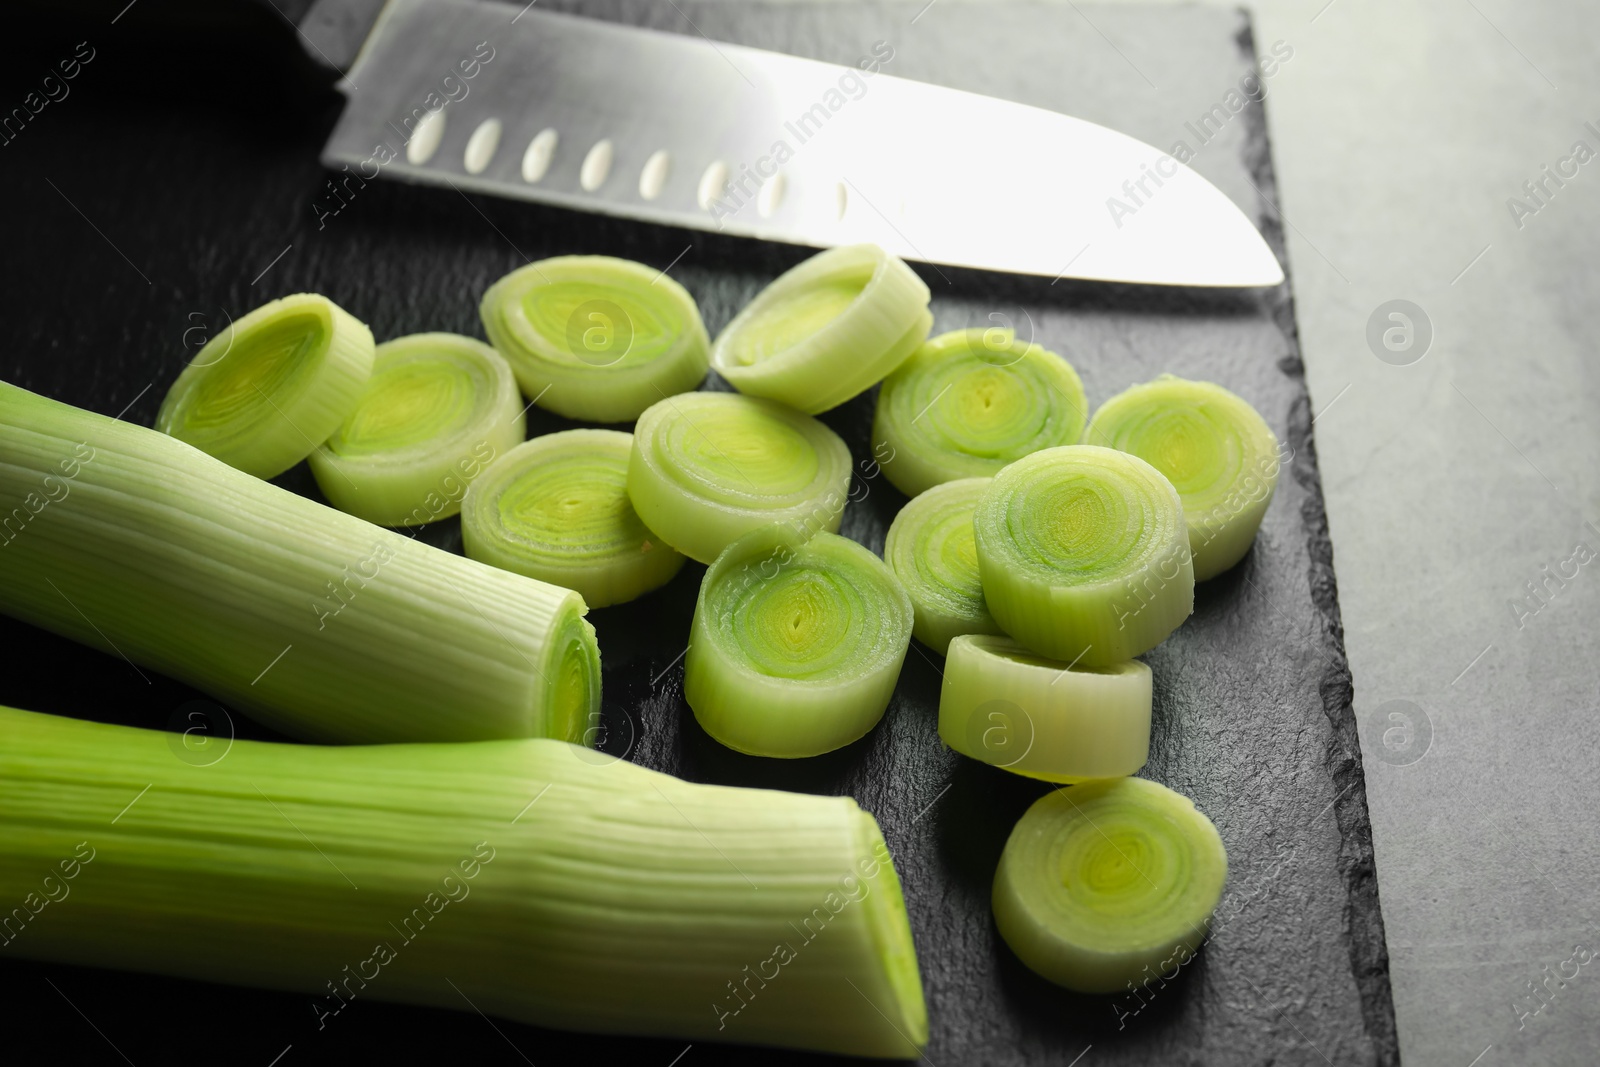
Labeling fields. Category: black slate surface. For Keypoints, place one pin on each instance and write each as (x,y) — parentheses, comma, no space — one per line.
(174,186)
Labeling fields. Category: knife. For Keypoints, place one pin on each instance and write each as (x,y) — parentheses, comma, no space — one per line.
(509,101)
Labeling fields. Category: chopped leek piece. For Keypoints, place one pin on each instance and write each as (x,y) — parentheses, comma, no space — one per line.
(556,508)
(1084,555)
(1104,884)
(1215,449)
(1005,706)
(826,330)
(971,401)
(437,410)
(314,622)
(596,338)
(509,877)
(931,549)
(707,468)
(271,387)
(796,644)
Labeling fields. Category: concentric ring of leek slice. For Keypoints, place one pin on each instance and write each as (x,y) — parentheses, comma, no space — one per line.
(971,401)
(267,390)
(1004,706)
(796,644)
(556,508)
(707,468)
(596,338)
(1215,449)
(826,330)
(931,550)
(1103,884)
(438,409)
(1084,555)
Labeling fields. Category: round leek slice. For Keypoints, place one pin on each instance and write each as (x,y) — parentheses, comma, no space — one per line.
(596,338)
(437,410)
(932,551)
(707,468)
(267,390)
(1033,716)
(1099,882)
(826,330)
(556,508)
(1215,449)
(796,644)
(1084,555)
(971,401)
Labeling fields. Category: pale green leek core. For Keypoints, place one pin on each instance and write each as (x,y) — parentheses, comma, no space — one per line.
(1084,555)
(316,623)
(556,508)
(437,410)
(1036,717)
(1106,884)
(547,886)
(1215,448)
(708,468)
(971,401)
(596,338)
(931,549)
(796,645)
(826,330)
(271,387)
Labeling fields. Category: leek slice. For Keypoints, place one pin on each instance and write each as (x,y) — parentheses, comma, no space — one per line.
(556,508)
(796,644)
(316,623)
(547,888)
(267,390)
(968,403)
(826,330)
(932,551)
(707,468)
(1007,707)
(437,410)
(1084,555)
(596,338)
(1215,449)
(1108,883)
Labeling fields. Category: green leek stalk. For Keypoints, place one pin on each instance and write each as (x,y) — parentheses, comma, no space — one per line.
(528,879)
(1104,884)
(267,390)
(932,551)
(314,622)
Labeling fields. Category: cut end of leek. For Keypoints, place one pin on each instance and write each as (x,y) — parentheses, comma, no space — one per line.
(556,508)
(436,412)
(1084,554)
(1103,884)
(796,644)
(931,549)
(571,677)
(1215,449)
(266,391)
(596,338)
(968,403)
(1004,706)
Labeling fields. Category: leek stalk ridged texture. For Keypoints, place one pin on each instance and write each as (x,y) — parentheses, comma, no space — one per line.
(531,878)
(437,410)
(1099,882)
(826,330)
(1084,554)
(314,622)
(1215,449)
(271,387)
(556,508)
(931,549)
(596,338)
(796,644)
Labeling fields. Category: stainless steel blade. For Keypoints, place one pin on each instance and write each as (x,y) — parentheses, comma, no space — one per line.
(595,116)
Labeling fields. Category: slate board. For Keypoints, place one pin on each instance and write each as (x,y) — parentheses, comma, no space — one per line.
(146,203)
